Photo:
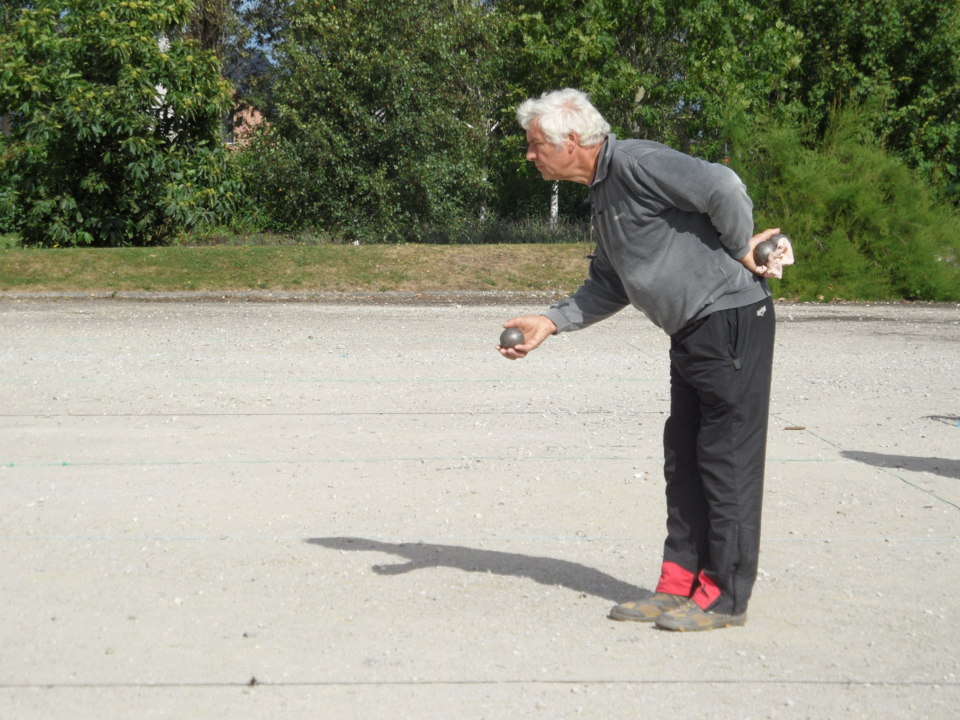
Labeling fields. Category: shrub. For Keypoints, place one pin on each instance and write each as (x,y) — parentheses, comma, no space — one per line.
(379,127)
(116,132)
(864,226)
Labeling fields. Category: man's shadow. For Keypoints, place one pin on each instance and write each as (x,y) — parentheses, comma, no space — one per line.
(936,465)
(546,571)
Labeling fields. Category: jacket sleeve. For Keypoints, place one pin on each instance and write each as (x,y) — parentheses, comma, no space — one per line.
(600,296)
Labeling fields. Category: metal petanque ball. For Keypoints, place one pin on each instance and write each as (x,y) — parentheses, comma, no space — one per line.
(762,251)
(511,337)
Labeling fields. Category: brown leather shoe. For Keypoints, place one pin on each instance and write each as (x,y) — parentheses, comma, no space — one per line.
(690,617)
(648,609)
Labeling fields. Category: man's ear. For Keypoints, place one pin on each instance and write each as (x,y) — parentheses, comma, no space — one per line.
(574,139)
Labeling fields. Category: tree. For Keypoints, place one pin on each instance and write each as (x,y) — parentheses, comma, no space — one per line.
(251,30)
(209,24)
(901,56)
(117,123)
(671,72)
(681,73)
(381,118)
(865,225)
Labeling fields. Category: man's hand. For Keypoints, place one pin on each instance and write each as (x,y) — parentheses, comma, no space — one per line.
(747,260)
(535,329)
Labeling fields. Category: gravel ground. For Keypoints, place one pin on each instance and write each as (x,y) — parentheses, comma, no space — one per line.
(266,506)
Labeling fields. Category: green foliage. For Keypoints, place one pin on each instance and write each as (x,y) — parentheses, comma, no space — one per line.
(690,73)
(680,73)
(380,121)
(902,53)
(864,225)
(394,121)
(116,123)
(674,72)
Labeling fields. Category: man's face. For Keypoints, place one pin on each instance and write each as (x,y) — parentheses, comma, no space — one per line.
(552,162)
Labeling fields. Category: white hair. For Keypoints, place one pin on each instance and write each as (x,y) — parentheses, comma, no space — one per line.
(562,112)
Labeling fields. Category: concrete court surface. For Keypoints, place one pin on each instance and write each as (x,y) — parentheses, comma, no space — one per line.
(319,510)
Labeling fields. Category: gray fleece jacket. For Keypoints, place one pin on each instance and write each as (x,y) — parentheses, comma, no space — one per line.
(670,230)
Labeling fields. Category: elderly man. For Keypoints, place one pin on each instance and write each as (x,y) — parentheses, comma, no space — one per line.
(675,240)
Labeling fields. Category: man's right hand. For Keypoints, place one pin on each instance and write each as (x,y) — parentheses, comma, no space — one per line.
(535,329)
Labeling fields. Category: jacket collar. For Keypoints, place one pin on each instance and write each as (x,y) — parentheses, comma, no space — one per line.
(603,160)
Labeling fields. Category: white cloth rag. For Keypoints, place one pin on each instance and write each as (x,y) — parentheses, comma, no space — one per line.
(781,256)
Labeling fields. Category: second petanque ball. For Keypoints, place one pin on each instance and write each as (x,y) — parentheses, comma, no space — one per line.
(511,337)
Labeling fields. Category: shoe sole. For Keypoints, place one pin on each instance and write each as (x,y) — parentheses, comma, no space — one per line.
(735,621)
(623,617)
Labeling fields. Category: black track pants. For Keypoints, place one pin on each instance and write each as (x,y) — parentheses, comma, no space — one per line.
(715,448)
